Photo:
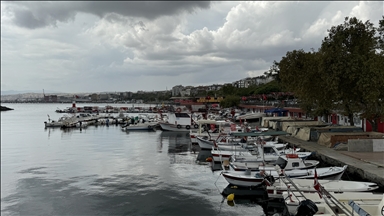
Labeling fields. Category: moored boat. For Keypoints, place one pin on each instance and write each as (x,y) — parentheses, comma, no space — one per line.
(178,121)
(146,126)
(337,203)
(306,185)
(247,178)
(286,162)
(322,173)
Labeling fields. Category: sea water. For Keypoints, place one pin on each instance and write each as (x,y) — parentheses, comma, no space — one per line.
(102,170)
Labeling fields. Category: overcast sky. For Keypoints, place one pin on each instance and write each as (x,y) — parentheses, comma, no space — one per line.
(98,46)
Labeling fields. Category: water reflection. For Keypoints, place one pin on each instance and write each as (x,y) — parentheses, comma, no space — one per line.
(115,195)
(178,142)
(203,155)
(51,130)
(255,196)
(104,171)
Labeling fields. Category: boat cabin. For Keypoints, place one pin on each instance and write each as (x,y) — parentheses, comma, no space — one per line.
(293,161)
(179,118)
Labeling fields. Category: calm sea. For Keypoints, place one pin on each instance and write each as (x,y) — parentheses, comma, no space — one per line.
(104,171)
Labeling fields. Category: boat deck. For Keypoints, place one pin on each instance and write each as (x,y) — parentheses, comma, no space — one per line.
(366,165)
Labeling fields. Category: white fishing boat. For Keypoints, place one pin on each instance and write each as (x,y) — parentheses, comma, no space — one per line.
(228,145)
(146,126)
(59,123)
(336,203)
(286,162)
(324,202)
(246,178)
(268,153)
(178,121)
(331,173)
(306,185)
(219,156)
(225,141)
(322,173)
(207,142)
(212,129)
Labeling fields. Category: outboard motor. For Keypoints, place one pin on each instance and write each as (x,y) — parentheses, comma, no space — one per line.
(306,208)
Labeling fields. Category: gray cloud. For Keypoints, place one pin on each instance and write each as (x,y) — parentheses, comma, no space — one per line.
(130,46)
(40,14)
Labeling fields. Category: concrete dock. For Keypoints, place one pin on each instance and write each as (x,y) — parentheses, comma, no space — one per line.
(365,165)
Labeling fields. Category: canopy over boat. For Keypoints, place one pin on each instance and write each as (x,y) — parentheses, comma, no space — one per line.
(267,133)
(276,110)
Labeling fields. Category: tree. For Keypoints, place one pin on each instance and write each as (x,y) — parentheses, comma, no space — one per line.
(299,73)
(372,92)
(346,55)
(267,88)
(274,72)
(228,89)
(230,101)
(380,38)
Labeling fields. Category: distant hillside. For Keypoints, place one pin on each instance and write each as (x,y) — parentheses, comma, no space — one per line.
(12,92)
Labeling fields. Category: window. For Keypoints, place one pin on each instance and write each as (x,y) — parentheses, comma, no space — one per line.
(295,164)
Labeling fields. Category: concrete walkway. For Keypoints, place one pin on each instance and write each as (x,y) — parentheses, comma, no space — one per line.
(366,165)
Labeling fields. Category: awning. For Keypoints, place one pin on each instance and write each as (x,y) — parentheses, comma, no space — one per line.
(276,110)
(267,133)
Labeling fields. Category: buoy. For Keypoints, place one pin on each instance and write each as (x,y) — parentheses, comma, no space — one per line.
(230,197)
(208,159)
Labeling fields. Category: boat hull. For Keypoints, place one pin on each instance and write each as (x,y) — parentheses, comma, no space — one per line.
(204,144)
(242,180)
(140,127)
(306,185)
(172,127)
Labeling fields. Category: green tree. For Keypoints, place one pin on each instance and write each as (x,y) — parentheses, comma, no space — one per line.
(274,72)
(371,88)
(228,89)
(299,74)
(380,38)
(267,88)
(345,64)
(230,101)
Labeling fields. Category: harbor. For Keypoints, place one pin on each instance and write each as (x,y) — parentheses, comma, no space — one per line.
(368,166)
(168,138)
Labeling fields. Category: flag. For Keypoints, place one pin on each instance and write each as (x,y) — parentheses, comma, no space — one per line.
(317,185)
(264,97)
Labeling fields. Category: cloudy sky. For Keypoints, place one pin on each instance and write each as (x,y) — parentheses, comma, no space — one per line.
(130,46)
